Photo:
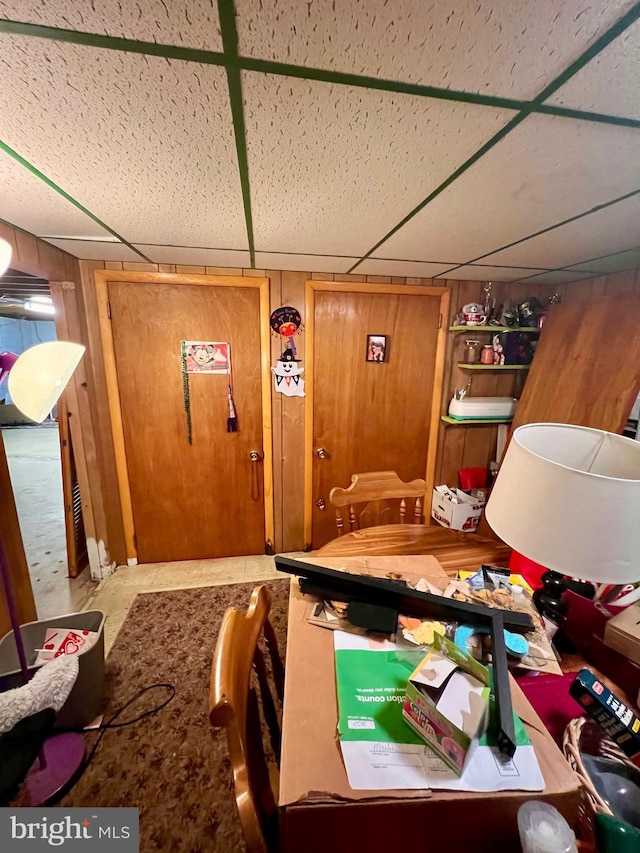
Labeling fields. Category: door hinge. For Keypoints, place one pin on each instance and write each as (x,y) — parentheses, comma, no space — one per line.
(108,309)
(439,321)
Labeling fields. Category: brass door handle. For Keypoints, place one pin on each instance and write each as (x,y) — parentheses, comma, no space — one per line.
(321,453)
(255,455)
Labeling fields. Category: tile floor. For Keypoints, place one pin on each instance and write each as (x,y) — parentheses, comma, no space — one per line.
(115,595)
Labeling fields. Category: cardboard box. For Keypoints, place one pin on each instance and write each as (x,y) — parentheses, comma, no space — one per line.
(463,515)
(447,701)
(622,633)
(317,806)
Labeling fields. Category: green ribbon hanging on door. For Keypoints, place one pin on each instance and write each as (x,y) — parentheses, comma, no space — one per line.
(185,389)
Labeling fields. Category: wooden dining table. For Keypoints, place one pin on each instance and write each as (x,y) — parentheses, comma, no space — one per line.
(318,808)
(453,549)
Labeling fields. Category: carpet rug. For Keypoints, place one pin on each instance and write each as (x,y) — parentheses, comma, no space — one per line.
(172,765)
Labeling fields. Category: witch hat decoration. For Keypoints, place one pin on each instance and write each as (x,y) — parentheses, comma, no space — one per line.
(288,355)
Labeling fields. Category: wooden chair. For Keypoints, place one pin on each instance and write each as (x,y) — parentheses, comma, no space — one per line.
(380,491)
(233,705)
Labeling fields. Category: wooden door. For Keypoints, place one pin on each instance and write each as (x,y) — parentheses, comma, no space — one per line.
(372,416)
(204,499)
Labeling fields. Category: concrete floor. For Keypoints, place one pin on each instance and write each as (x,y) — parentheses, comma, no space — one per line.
(33,454)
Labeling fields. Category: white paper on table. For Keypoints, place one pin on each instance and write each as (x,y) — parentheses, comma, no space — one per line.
(384,764)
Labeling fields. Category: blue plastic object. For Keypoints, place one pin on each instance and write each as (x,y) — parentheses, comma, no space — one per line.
(515,643)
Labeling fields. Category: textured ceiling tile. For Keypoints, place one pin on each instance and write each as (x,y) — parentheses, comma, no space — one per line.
(485,273)
(546,170)
(195,256)
(332,167)
(613,263)
(192,24)
(30,204)
(378,266)
(559,277)
(145,143)
(306,263)
(610,83)
(96,250)
(610,230)
(512,48)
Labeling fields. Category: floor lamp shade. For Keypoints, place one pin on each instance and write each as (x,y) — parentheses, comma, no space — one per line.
(568,497)
(40,375)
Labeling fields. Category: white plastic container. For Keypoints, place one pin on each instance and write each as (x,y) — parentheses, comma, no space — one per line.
(85,700)
(470,408)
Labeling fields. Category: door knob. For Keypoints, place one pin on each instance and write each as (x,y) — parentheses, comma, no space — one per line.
(321,453)
(255,455)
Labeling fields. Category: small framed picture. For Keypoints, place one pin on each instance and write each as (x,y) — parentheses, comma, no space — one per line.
(377,348)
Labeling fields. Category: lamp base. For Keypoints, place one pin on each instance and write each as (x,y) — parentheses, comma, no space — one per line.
(549,600)
(60,759)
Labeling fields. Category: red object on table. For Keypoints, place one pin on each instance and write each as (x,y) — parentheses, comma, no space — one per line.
(530,571)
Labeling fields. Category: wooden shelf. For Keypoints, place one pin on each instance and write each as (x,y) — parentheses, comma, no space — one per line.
(466,366)
(447,419)
(473,329)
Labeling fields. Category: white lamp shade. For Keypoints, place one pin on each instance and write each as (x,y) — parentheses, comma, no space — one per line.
(5,256)
(41,374)
(568,497)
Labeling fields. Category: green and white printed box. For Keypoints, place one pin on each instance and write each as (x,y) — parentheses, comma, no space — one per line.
(447,702)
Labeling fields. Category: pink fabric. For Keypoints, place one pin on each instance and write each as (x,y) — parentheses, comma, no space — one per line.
(7,360)
(549,695)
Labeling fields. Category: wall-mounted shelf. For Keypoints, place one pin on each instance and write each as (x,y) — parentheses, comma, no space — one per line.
(466,366)
(447,419)
(526,329)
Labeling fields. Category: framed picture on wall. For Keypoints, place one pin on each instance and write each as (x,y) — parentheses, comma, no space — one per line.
(377,348)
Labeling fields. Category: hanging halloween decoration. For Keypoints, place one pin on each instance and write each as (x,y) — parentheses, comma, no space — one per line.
(286,322)
(212,357)
(288,375)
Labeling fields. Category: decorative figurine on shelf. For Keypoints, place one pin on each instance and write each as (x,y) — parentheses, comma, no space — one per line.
(473,315)
(498,350)
(489,302)
(528,312)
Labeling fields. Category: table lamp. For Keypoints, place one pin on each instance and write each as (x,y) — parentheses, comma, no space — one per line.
(36,380)
(568,497)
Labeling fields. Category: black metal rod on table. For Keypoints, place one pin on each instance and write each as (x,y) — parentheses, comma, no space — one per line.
(506,733)
(341,586)
(388,593)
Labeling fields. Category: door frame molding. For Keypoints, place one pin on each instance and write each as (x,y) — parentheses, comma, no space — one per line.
(311,286)
(102,279)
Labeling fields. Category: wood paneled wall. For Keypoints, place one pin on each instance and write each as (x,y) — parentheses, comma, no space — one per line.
(457,446)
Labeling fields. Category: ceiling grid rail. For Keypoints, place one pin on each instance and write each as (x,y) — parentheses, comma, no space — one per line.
(585,57)
(234,64)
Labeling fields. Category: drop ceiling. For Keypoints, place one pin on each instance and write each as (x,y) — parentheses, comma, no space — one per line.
(447,139)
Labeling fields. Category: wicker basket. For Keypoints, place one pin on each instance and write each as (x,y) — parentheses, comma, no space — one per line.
(591,802)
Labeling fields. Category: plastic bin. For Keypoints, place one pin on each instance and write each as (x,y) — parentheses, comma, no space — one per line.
(85,700)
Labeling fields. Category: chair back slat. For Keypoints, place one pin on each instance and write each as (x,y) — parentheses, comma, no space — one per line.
(378,497)
(234,706)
